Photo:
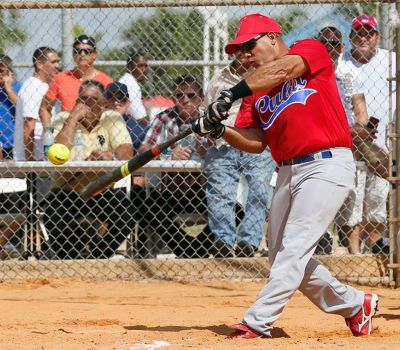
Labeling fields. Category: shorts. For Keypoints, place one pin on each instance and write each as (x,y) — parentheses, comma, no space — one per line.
(368,199)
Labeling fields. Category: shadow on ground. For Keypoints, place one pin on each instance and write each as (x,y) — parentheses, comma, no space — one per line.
(221,329)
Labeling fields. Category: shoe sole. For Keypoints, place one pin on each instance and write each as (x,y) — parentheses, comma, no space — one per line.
(374,309)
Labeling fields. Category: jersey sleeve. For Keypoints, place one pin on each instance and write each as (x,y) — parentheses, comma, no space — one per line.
(247,117)
(315,54)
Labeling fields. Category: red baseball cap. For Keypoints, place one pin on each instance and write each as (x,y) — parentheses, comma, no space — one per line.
(365,20)
(249,27)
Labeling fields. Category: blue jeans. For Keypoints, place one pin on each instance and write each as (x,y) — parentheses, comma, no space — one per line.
(223,168)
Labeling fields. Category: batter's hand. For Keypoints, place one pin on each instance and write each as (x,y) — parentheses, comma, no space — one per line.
(218,110)
(202,126)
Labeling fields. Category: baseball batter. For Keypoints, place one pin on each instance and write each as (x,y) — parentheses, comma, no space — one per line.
(291,103)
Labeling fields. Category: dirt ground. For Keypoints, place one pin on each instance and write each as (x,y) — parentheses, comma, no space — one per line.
(123,315)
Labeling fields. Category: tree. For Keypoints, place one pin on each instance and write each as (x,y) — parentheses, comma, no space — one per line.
(166,35)
(177,35)
(10,32)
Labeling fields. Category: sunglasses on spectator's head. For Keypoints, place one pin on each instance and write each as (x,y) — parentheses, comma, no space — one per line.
(189,95)
(251,44)
(331,42)
(78,51)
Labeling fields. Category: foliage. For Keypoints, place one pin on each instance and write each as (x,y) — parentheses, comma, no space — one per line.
(10,32)
(291,20)
(176,35)
(77,30)
(349,11)
(166,35)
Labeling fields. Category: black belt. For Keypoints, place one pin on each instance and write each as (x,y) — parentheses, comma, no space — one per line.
(308,158)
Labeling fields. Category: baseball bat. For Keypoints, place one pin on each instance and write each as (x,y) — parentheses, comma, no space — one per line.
(107,180)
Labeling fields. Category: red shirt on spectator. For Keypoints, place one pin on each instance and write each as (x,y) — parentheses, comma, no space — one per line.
(65,87)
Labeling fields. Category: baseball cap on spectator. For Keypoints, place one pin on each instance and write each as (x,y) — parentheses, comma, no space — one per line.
(249,27)
(118,91)
(85,40)
(365,20)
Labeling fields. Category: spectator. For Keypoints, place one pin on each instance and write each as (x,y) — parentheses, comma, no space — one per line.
(223,167)
(8,98)
(13,206)
(106,138)
(353,98)
(372,64)
(118,98)
(136,71)
(28,127)
(65,85)
(180,192)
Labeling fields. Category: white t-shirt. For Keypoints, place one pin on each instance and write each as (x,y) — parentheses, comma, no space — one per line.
(373,76)
(349,84)
(28,103)
(136,109)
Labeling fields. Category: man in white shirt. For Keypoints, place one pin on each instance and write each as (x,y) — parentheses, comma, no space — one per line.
(28,128)
(136,71)
(372,64)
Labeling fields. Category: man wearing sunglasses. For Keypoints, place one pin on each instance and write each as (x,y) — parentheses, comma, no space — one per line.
(65,85)
(178,192)
(353,98)
(368,203)
(105,138)
(291,104)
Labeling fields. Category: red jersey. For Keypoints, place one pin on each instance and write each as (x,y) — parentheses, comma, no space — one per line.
(65,87)
(302,115)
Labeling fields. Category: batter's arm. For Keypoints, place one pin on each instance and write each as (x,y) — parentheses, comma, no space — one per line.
(274,73)
(247,140)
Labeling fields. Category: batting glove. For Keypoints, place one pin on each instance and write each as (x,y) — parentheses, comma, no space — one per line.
(203,127)
(218,110)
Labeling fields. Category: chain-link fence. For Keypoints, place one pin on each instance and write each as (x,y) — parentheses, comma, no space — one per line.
(135,73)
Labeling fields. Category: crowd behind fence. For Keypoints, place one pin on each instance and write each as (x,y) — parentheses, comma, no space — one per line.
(109,83)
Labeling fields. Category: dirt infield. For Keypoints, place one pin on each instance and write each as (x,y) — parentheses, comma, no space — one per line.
(69,314)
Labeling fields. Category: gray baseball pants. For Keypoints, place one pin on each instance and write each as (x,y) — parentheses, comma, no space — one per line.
(306,199)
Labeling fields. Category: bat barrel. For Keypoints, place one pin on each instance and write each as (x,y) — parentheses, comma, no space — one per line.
(129,167)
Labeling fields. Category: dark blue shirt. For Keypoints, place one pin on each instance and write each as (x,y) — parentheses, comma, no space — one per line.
(7,117)
(136,130)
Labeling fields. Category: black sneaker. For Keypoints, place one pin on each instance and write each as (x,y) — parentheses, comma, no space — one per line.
(221,249)
(244,250)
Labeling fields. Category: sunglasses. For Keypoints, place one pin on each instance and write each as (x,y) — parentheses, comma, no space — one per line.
(88,100)
(189,95)
(121,98)
(331,42)
(251,44)
(78,51)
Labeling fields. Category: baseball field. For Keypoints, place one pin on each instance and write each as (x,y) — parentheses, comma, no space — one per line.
(58,313)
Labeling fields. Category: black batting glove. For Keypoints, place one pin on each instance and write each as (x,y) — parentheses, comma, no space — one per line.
(218,131)
(218,110)
(203,127)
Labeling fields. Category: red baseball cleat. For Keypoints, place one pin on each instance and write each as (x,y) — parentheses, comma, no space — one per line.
(244,332)
(361,323)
